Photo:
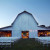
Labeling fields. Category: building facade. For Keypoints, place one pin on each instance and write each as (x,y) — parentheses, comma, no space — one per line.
(25,26)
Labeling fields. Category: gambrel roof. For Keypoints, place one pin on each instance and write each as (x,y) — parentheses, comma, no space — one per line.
(24,12)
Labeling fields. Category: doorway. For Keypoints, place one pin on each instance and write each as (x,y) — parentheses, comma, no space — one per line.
(43,33)
(5,33)
(25,34)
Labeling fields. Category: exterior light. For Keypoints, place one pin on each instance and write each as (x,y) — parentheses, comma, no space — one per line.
(30,30)
(33,30)
(36,30)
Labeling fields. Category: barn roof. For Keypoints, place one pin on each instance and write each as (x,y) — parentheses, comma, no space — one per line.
(6,27)
(24,12)
(17,17)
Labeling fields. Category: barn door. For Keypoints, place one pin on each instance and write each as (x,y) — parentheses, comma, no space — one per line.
(25,34)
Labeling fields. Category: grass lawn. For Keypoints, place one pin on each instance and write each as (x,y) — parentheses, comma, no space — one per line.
(26,44)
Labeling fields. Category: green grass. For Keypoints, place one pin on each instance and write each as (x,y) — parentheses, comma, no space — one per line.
(27,44)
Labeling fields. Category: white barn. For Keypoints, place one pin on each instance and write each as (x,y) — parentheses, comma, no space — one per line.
(25,26)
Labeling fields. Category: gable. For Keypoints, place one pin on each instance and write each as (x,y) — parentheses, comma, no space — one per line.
(24,21)
(26,13)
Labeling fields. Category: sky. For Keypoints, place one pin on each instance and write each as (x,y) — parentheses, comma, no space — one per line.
(9,9)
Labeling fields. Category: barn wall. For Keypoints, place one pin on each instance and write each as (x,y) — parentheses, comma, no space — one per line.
(24,22)
(16,33)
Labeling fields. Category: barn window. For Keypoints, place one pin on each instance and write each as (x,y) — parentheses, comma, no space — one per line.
(5,33)
(43,33)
